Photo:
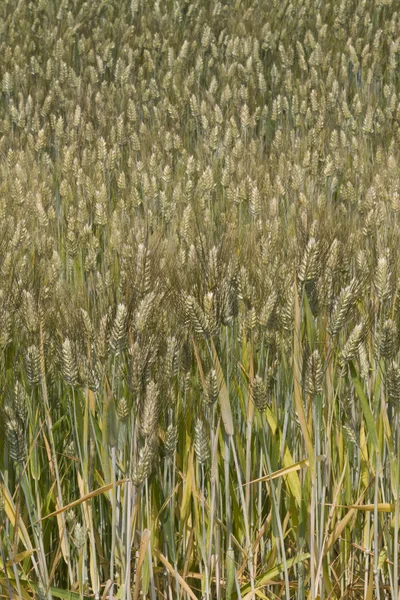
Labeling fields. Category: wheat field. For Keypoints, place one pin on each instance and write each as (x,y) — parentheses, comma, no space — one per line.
(199,299)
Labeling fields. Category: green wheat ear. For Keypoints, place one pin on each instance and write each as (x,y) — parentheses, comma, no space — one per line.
(259,393)
(393,384)
(69,363)
(16,435)
(171,439)
(118,336)
(212,389)
(147,459)
(32,362)
(150,410)
(201,442)
(314,373)
(123,410)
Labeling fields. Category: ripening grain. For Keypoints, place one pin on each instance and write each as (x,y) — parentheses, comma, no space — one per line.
(199,299)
